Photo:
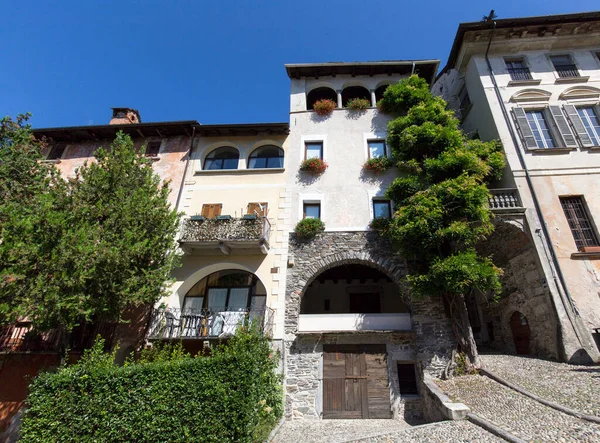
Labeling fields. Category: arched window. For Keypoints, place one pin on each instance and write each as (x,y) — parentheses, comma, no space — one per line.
(266,157)
(355,92)
(222,158)
(320,94)
(379,92)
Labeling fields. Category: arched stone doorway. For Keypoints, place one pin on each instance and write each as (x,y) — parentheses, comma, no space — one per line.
(521,332)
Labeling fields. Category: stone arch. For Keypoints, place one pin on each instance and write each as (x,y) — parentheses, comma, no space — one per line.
(576,92)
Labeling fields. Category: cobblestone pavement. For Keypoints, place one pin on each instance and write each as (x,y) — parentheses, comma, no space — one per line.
(577,387)
(329,431)
(461,431)
(516,413)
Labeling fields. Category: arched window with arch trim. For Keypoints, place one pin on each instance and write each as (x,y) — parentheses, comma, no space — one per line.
(267,156)
(352,92)
(379,92)
(225,157)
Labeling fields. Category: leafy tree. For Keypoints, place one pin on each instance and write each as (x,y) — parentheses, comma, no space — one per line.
(441,202)
(85,249)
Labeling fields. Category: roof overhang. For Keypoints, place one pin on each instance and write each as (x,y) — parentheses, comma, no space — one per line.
(539,25)
(246,129)
(425,68)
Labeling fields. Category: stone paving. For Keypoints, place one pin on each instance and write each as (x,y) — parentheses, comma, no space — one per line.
(516,413)
(461,431)
(380,431)
(576,387)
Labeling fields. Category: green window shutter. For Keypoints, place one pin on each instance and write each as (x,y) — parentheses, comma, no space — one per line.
(563,127)
(577,124)
(524,129)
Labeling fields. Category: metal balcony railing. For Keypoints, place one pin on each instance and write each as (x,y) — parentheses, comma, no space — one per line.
(503,199)
(233,229)
(172,323)
(519,74)
(567,71)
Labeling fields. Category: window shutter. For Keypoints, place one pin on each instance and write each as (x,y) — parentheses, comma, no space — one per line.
(523,125)
(212,210)
(255,208)
(577,124)
(563,127)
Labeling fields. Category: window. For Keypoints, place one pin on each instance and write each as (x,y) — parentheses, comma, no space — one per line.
(376,148)
(56,152)
(564,66)
(579,222)
(212,210)
(222,158)
(464,101)
(591,123)
(517,69)
(266,157)
(313,150)
(312,210)
(382,208)
(407,379)
(379,92)
(152,149)
(541,130)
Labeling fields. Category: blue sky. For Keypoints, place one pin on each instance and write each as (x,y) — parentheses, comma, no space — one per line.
(220,61)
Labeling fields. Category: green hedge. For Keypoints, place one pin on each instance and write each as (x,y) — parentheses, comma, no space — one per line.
(233,395)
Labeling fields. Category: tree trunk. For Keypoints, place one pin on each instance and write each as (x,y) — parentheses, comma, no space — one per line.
(63,346)
(462,328)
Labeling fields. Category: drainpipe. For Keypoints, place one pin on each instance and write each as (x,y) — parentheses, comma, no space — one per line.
(187,162)
(563,290)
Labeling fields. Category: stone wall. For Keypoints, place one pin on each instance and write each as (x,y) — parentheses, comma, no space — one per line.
(429,345)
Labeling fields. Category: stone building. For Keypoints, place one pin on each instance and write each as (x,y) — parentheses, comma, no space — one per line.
(534,84)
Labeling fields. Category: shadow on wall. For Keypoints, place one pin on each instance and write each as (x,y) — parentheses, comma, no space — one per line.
(304,178)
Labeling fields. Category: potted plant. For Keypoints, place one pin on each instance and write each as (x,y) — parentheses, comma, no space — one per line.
(314,165)
(378,164)
(379,224)
(324,106)
(307,228)
(358,104)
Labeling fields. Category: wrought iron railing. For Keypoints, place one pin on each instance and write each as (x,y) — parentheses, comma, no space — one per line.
(567,71)
(228,229)
(172,323)
(519,74)
(505,198)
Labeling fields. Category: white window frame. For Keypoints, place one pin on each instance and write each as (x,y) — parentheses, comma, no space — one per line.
(375,136)
(558,142)
(316,138)
(310,198)
(378,195)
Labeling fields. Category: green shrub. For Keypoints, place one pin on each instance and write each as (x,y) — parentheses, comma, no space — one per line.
(307,228)
(358,104)
(233,395)
(380,224)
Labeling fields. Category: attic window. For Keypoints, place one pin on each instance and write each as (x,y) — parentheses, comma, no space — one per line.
(56,152)
(152,149)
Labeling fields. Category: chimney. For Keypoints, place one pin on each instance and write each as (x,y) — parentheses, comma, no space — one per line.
(125,116)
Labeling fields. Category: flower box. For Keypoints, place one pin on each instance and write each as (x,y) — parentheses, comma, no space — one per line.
(314,165)
(358,104)
(324,106)
(377,165)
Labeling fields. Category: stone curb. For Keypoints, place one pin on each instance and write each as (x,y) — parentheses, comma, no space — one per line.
(551,404)
(275,430)
(400,431)
(492,428)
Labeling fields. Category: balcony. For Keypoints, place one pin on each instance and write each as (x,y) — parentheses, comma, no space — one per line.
(519,74)
(319,323)
(505,200)
(567,71)
(171,323)
(225,235)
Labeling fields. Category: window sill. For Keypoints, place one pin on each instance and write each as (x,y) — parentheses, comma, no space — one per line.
(53,162)
(562,80)
(154,158)
(585,255)
(593,148)
(532,82)
(551,150)
(238,171)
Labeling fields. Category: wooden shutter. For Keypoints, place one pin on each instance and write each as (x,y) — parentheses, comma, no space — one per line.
(563,127)
(211,210)
(255,208)
(577,124)
(523,125)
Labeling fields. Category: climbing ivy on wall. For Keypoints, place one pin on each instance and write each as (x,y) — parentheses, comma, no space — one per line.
(441,201)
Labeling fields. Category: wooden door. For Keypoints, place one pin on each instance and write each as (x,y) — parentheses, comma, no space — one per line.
(521,332)
(355,382)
